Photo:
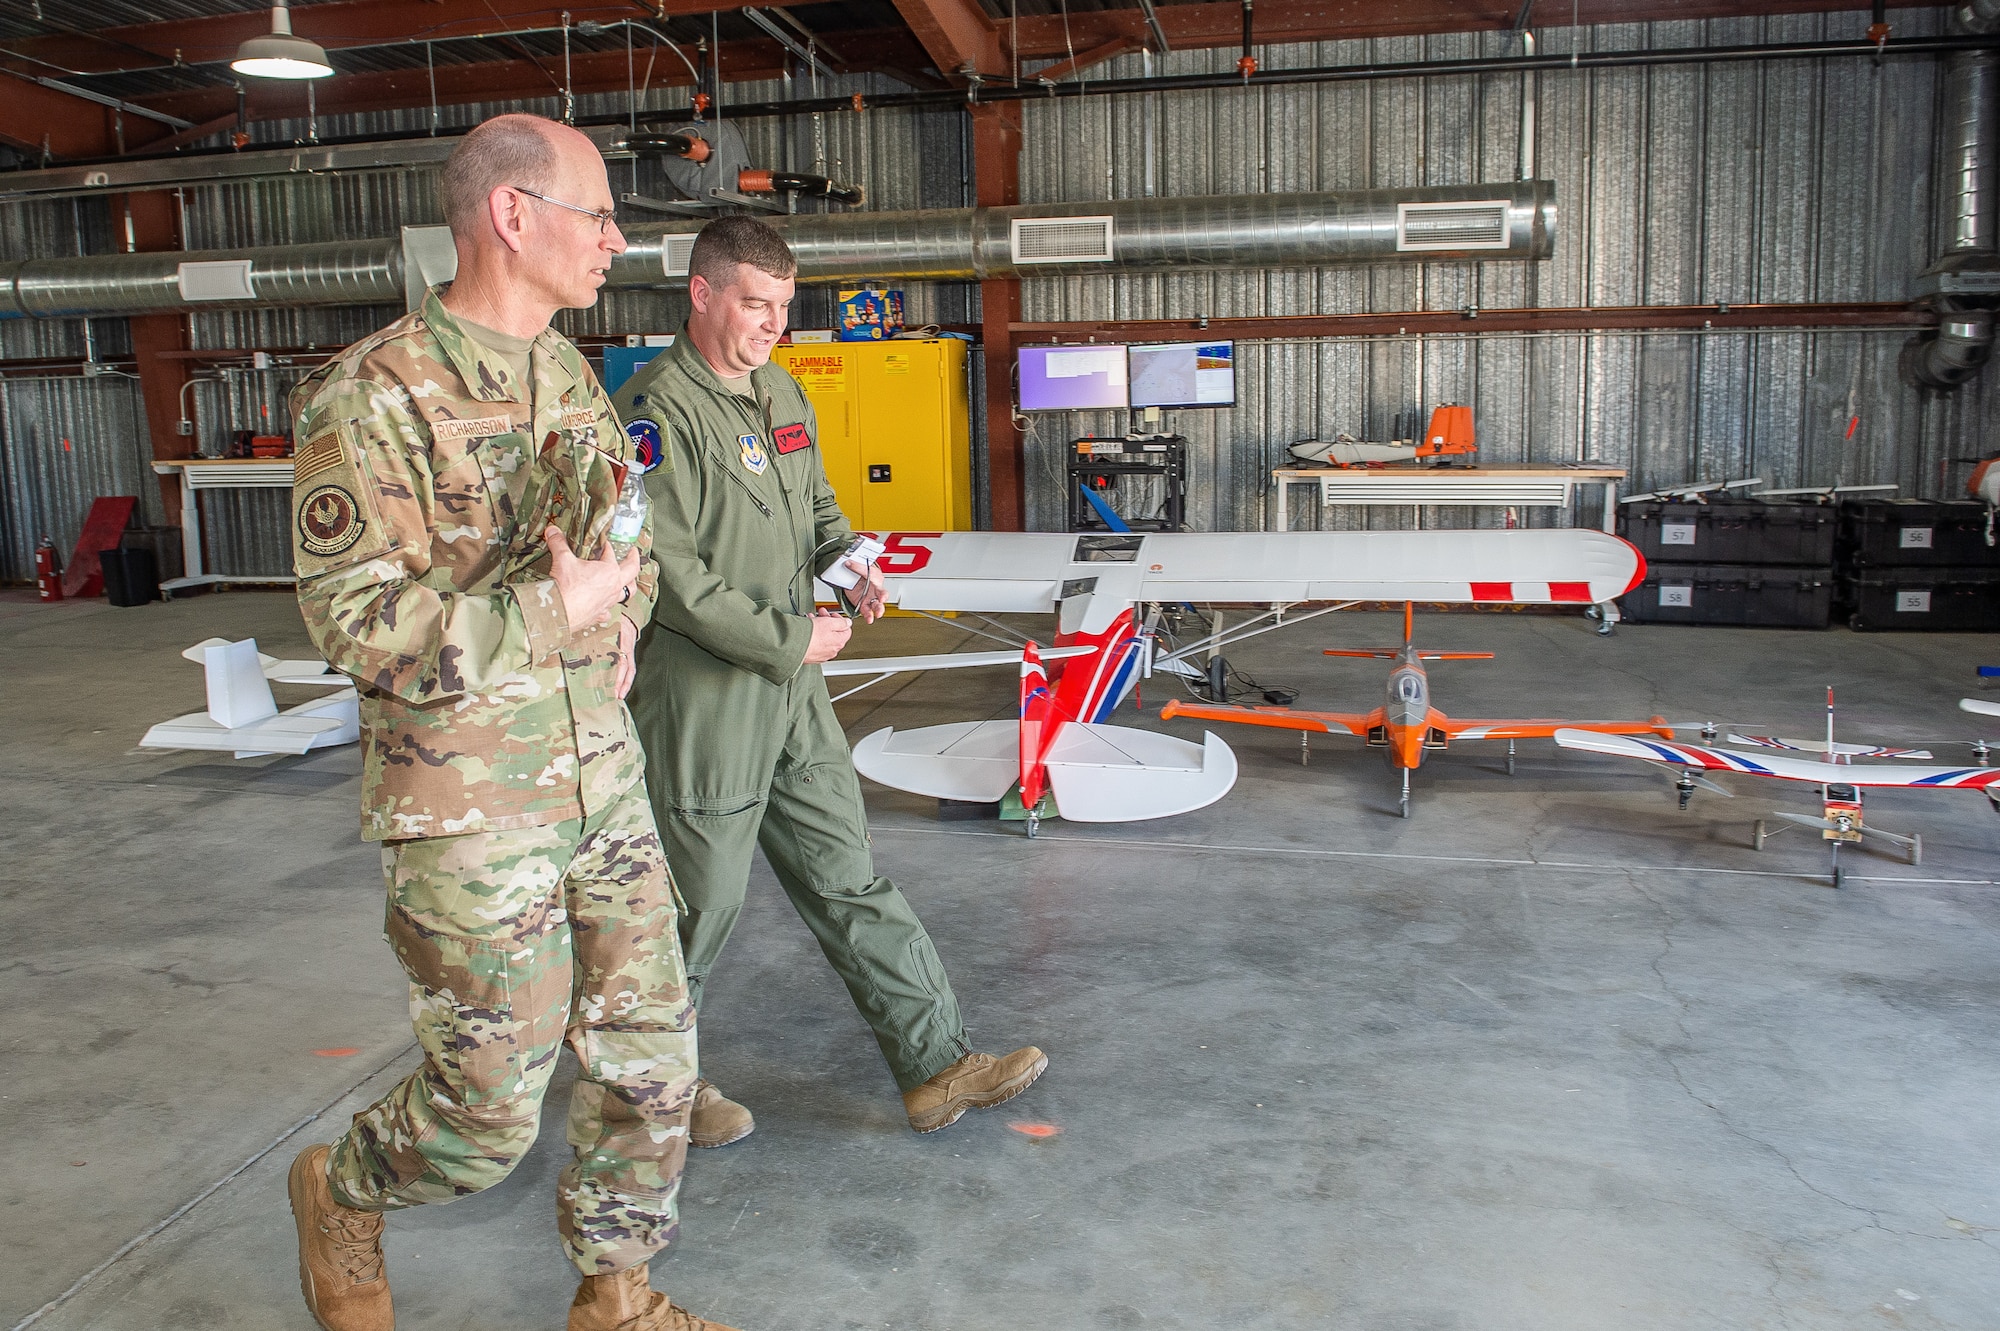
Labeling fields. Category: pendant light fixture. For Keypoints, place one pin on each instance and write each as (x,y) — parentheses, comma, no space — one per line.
(280,55)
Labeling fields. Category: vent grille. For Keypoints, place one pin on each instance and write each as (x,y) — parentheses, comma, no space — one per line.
(1480,225)
(674,252)
(1062,240)
(225,279)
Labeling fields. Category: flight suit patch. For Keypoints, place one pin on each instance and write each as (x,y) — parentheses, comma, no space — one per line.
(791,438)
(647,449)
(754,457)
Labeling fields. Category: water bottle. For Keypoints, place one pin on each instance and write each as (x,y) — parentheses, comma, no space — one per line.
(628,519)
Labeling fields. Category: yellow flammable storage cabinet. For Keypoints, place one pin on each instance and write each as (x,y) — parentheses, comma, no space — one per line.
(895,429)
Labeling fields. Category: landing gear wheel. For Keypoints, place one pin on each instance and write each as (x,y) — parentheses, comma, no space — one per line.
(1836,865)
(1606,628)
(1403,807)
(1916,850)
(1034,823)
(1757,835)
(1591,612)
(1510,757)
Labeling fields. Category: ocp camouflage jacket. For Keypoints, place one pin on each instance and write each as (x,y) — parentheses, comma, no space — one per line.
(425,478)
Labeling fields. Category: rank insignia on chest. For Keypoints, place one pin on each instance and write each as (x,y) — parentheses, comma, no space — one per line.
(754,456)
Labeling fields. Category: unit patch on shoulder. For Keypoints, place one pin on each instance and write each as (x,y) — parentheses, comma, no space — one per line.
(792,438)
(646,447)
(754,456)
(330,522)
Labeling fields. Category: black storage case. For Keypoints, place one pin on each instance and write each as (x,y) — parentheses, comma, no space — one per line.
(1730,531)
(1961,600)
(1747,595)
(1916,533)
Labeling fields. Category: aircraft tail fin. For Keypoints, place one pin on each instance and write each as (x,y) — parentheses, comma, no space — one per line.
(238,693)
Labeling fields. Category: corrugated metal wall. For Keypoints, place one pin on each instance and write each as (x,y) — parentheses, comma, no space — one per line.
(1790,181)
(1754,182)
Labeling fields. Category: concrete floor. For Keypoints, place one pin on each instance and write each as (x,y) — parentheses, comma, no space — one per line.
(1548,1055)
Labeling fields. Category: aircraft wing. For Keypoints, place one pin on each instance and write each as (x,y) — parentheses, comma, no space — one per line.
(1472,728)
(1979,705)
(997,572)
(1278,718)
(1696,756)
(890,665)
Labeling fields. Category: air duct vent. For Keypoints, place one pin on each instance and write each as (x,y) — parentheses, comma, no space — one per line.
(1062,240)
(1479,225)
(225,279)
(674,252)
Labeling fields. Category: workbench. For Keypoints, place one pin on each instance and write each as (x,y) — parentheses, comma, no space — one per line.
(1493,485)
(198,474)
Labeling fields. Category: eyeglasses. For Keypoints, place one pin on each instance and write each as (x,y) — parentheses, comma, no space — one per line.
(603,215)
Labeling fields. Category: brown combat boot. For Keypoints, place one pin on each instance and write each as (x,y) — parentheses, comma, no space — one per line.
(717,1120)
(625,1302)
(340,1253)
(977,1081)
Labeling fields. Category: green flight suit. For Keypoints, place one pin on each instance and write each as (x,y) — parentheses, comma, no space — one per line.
(742,746)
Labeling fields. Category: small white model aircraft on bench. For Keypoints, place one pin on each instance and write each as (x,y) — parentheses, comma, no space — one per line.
(1840,779)
(1096,586)
(243,718)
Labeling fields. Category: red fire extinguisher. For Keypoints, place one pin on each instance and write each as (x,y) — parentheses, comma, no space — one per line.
(48,573)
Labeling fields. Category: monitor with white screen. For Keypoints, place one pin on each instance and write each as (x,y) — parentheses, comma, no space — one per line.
(1090,378)
(1184,374)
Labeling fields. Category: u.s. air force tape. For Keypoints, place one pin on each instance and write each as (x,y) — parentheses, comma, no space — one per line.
(330,522)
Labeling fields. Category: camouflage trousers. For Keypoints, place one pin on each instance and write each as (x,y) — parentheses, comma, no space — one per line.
(516,942)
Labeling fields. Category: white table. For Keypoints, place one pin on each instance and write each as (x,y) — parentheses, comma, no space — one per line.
(198,474)
(1503,484)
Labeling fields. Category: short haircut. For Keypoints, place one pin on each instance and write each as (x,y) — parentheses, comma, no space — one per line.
(728,241)
(513,150)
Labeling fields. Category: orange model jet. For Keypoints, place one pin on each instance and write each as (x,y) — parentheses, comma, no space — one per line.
(1406,725)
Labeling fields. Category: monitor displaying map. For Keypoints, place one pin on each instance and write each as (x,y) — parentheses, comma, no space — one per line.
(1184,374)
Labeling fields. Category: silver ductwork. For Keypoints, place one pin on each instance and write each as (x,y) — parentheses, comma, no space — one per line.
(1516,220)
(1963,284)
(1510,221)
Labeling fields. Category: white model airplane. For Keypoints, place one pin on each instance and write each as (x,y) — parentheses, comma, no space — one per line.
(243,718)
(1096,584)
(1840,779)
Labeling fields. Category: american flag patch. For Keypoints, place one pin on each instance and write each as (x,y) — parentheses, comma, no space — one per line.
(315,456)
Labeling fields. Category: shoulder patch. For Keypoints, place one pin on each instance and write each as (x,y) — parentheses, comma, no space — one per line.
(316,455)
(644,433)
(330,521)
(792,438)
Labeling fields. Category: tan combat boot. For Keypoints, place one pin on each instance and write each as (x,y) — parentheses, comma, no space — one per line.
(977,1081)
(717,1120)
(625,1302)
(340,1253)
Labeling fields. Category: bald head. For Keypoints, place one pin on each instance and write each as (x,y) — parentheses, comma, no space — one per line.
(519,150)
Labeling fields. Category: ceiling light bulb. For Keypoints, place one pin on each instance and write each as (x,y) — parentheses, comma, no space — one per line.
(280,55)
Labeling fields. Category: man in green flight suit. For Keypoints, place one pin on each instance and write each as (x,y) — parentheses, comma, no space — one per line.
(742,747)
(456,476)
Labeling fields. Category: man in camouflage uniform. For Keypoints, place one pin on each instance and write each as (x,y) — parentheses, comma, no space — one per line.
(450,472)
(742,747)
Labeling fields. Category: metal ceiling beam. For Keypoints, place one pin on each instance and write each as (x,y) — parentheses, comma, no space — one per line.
(958,34)
(1206,26)
(335,26)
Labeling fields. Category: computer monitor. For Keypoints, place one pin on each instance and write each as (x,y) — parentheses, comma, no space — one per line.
(1072,378)
(1184,374)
